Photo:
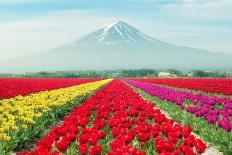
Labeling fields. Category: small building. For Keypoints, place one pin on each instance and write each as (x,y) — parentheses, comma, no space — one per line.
(166,74)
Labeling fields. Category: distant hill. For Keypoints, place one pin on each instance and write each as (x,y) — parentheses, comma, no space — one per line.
(117,45)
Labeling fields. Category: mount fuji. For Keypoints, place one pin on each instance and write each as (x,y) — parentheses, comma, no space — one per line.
(117,45)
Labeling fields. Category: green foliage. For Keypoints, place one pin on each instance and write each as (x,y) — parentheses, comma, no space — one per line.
(140,73)
(176,72)
(201,73)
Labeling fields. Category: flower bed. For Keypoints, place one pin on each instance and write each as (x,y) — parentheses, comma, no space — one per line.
(116,120)
(23,117)
(11,87)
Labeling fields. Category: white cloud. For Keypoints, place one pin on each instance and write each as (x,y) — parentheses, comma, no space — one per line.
(216,10)
(47,31)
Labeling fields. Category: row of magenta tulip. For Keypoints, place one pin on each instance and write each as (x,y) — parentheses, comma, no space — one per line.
(208,85)
(116,120)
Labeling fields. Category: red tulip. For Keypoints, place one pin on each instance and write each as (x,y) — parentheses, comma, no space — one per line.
(200,146)
(143,137)
(63,144)
(128,139)
(83,149)
(93,140)
(177,152)
(190,141)
(83,139)
(96,150)
(186,131)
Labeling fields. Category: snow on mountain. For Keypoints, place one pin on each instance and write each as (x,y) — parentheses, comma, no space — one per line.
(117,32)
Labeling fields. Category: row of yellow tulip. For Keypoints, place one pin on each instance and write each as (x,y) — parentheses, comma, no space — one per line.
(19,112)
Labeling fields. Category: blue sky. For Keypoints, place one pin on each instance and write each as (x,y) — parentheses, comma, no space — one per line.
(31,26)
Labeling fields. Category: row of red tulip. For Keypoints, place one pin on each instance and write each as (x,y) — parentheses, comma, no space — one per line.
(209,85)
(10,87)
(116,120)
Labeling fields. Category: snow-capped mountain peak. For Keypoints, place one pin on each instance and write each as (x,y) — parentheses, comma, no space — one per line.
(117,32)
(111,25)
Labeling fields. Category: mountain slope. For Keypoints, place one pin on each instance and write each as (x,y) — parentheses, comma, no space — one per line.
(118,45)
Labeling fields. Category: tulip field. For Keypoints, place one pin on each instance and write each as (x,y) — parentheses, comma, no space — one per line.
(93,116)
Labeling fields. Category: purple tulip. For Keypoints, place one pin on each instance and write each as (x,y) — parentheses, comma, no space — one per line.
(201,105)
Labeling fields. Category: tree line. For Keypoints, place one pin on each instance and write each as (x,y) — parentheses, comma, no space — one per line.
(119,74)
